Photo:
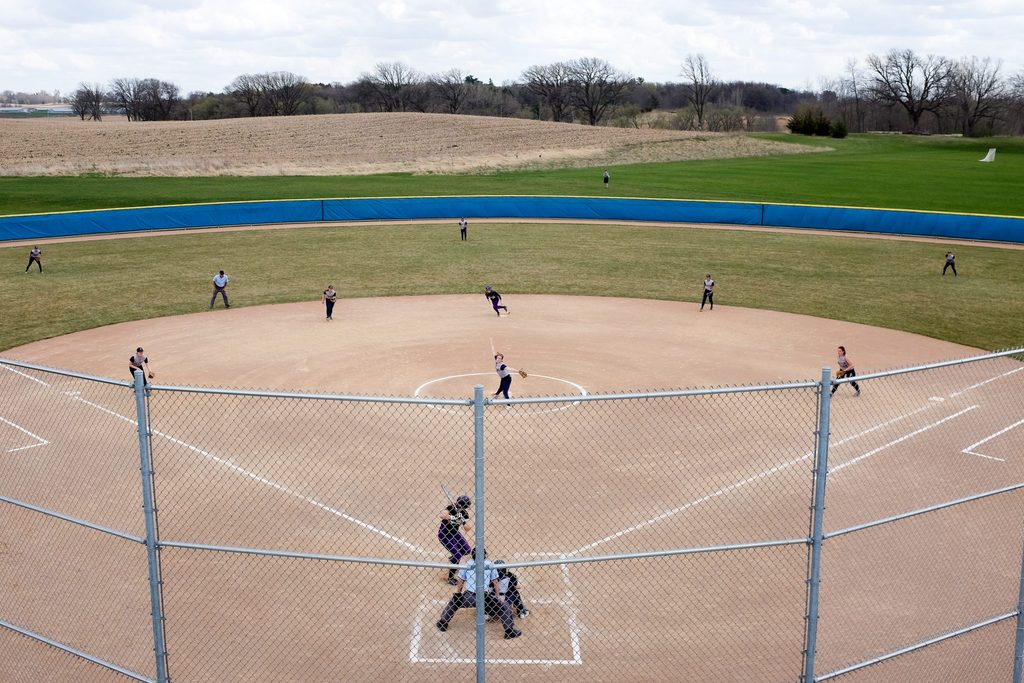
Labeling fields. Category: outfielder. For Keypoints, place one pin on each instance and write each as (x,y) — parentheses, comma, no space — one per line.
(846,369)
(453,519)
(220,286)
(36,256)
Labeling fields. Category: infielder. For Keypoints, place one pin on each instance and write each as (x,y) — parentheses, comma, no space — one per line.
(139,361)
(846,369)
(709,292)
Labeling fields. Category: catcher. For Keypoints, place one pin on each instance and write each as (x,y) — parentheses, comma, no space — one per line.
(139,361)
(846,369)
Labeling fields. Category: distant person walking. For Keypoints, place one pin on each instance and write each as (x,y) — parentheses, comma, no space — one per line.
(35,256)
(709,292)
(607,178)
(463,226)
(329,297)
(220,286)
(950,263)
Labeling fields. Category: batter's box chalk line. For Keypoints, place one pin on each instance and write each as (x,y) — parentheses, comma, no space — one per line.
(450,653)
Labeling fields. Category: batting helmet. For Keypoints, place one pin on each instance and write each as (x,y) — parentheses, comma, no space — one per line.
(463,501)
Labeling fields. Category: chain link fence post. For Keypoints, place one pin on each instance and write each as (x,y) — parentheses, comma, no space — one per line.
(1018,648)
(149,510)
(478,492)
(818,523)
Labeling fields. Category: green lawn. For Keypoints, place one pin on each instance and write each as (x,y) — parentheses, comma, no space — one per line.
(892,171)
(879,282)
(889,283)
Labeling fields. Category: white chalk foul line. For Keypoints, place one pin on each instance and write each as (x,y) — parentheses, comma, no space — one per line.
(41,440)
(981,384)
(740,484)
(903,438)
(970,449)
(238,469)
(26,376)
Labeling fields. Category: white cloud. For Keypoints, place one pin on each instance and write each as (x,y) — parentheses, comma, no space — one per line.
(204,44)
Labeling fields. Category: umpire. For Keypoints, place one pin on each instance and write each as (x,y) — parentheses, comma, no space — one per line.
(492,603)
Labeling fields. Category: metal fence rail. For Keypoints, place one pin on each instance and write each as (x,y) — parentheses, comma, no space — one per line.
(792,532)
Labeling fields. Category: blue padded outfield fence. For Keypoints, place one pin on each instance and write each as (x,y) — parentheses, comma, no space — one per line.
(886,221)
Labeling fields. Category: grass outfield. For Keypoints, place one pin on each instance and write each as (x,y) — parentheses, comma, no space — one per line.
(894,284)
(890,171)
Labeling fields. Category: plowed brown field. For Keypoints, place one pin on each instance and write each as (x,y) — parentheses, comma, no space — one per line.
(346,144)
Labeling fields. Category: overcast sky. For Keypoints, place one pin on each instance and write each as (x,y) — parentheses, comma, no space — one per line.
(201,45)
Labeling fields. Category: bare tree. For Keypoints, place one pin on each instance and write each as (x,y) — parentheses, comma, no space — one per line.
(127,94)
(159,99)
(452,89)
(390,83)
(701,85)
(1015,104)
(551,84)
(595,86)
(977,89)
(285,92)
(88,101)
(851,88)
(251,91)
(917,84)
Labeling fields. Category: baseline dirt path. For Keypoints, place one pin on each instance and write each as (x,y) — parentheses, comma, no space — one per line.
(392,345)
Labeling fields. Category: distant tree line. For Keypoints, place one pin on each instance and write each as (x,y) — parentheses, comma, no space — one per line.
(898,91)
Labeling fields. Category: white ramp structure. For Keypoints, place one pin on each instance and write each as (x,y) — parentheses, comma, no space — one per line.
(991,156)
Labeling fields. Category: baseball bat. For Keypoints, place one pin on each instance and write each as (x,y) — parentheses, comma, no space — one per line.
(447,495)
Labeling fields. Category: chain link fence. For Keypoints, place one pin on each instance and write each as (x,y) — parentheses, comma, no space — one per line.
(773,533)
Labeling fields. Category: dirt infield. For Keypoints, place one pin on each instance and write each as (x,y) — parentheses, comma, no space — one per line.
(390,346)
(594,478)
(347,144)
